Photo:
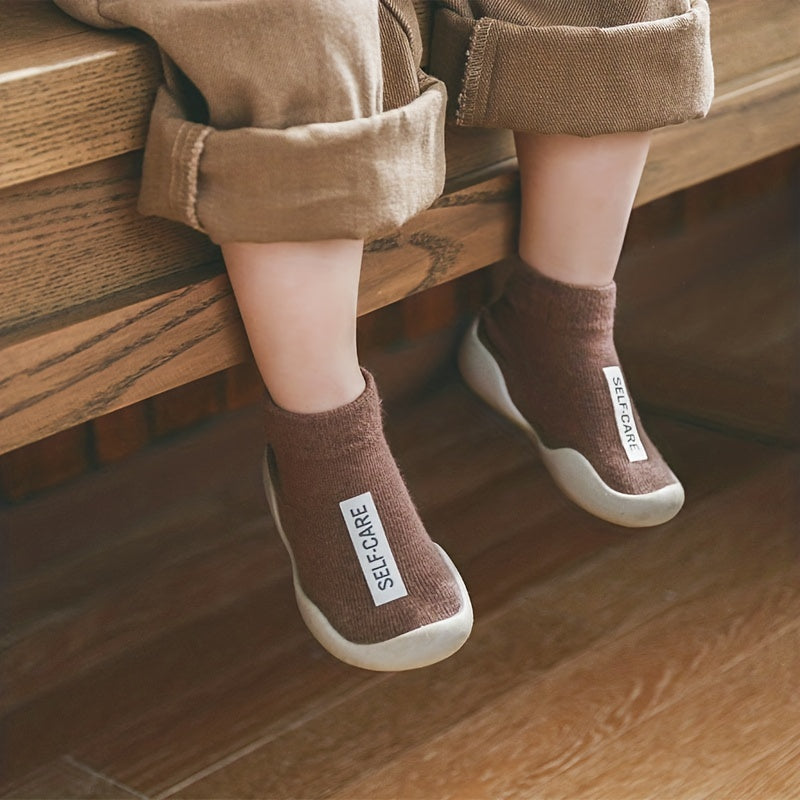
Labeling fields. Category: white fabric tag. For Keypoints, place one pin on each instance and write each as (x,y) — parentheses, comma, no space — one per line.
(372,548)
(623,413)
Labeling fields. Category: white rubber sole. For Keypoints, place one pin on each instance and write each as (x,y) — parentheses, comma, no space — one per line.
(417,648)
(571,471)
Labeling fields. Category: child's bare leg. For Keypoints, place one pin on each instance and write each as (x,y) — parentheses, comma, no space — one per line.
(382,597)
(577,195)
(549,342)
(281,122)
(298,303)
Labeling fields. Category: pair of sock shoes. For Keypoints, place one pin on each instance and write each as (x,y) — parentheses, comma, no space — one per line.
(370,584)
(543,355)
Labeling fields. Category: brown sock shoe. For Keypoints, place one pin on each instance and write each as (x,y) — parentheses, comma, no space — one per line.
(544,356)
(372,587)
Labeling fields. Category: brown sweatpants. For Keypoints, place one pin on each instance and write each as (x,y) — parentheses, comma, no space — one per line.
(285,120)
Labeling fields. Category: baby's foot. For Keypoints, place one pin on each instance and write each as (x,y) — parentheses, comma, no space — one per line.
(371,586)
(543,355)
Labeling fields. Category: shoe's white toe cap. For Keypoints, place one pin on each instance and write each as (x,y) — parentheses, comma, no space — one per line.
(579,480)
(417,648)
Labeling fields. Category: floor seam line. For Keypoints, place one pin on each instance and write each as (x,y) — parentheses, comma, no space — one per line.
(107,778)
(259,742)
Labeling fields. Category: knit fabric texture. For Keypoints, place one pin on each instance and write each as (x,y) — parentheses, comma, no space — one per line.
(552,341)
(316,462)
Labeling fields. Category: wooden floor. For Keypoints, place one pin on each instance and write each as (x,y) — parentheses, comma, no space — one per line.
(152,649)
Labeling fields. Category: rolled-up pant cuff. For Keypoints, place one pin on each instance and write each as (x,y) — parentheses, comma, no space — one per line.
(576,80)
(324,180)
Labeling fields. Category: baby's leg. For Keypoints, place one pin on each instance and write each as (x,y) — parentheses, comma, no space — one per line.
(581,82)
(289,132)
(552,332)
(298,304)
(370,584)
(577,195)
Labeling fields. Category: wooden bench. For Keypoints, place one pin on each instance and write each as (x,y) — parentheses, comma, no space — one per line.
(102,307)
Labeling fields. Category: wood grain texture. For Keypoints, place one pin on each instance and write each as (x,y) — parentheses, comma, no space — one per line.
(73,96)
(76,237)
(160,580)
(115,358)
(70,95)
(687,748)
(745,40)
(72,238)
(537,740)
(708,324)
(775,774)
(516,701)
(152,630)
(751,118)
(85,277)
(127,348)
(685,710)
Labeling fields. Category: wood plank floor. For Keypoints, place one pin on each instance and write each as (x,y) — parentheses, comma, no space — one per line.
(151,647)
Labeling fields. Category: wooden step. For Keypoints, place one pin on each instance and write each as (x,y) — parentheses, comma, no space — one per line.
(70,95)
(78,364)
(87,282)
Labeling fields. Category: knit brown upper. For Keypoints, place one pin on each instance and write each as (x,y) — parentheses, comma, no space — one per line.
(551,341)
(318,460)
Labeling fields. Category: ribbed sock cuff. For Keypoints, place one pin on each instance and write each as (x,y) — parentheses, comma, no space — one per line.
(327,434)
(555,305)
